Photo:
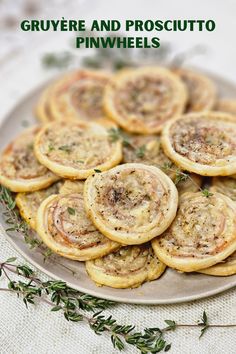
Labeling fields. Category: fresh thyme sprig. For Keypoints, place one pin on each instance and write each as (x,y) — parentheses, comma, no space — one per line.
(116,134)
(207,193)
(13,218)
(57,60)
(76,306)
(16,224)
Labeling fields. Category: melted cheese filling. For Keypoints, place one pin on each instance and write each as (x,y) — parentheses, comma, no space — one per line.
(149,99)
(199,93)
(128,260)
(226,105)
(34,199)
(203,227)
(86,96)
(68,223)
(76,146)
(19,162)
(131,200)
(208,142)
(147,149)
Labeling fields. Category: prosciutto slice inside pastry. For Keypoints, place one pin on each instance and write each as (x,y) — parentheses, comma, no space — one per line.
(128,267)
(64,227)
(203,143)
(202,234)
(76,148)
(142,100)
(20,171)
(131,203)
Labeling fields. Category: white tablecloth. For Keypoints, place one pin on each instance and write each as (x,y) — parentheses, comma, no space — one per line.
(37,330)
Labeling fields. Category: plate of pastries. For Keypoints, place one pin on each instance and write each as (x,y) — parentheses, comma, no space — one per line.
(128,179)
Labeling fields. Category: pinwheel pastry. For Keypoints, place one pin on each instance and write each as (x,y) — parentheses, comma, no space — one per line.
(131,203)
(226,105)
(128,267)
(28,203)
(79,95)
(42,110)
(75,149)
(201,90)
(64,227)
(224,268)
(19,169)
(142,100)
(71,187)
(224,185)
(202,234)
(202,142)
(147,149)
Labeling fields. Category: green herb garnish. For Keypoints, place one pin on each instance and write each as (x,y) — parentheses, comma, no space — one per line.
(206,193)
(71,211)
(204,323)
(50,147)
(57,60)
(76,306)
(66,148)
(140,152)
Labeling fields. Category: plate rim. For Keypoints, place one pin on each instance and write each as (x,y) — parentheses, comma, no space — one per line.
(115,298)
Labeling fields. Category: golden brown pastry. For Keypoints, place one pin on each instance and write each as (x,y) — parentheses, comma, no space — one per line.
(203,143)
(79,95)
(128,267)
(131,203)
(147,149)
(28,203)
(70,186)
(226,105)
(76,148)
(142,100)
(222,269)
(224,185)
(202,234)
(65,229)
(42,110)
(19,169)
(201,90)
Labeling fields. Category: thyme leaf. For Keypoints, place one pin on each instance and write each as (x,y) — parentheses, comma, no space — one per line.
(204,323)
(140,152)
(13,219)
(206,193)
(116,134)
(66,148)
(57,60)
(71,211)
(78,307)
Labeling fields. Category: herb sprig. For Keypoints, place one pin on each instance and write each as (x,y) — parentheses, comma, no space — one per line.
(13,218)
(116,134)
(16,224)
(57,60)
(76,307)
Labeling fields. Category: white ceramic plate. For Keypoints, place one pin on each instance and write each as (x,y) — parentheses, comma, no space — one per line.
(172,287)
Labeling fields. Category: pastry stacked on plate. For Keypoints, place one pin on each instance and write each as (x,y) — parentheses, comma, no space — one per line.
(113,176)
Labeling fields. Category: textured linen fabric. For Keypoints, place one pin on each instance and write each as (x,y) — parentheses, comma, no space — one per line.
(37,330)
